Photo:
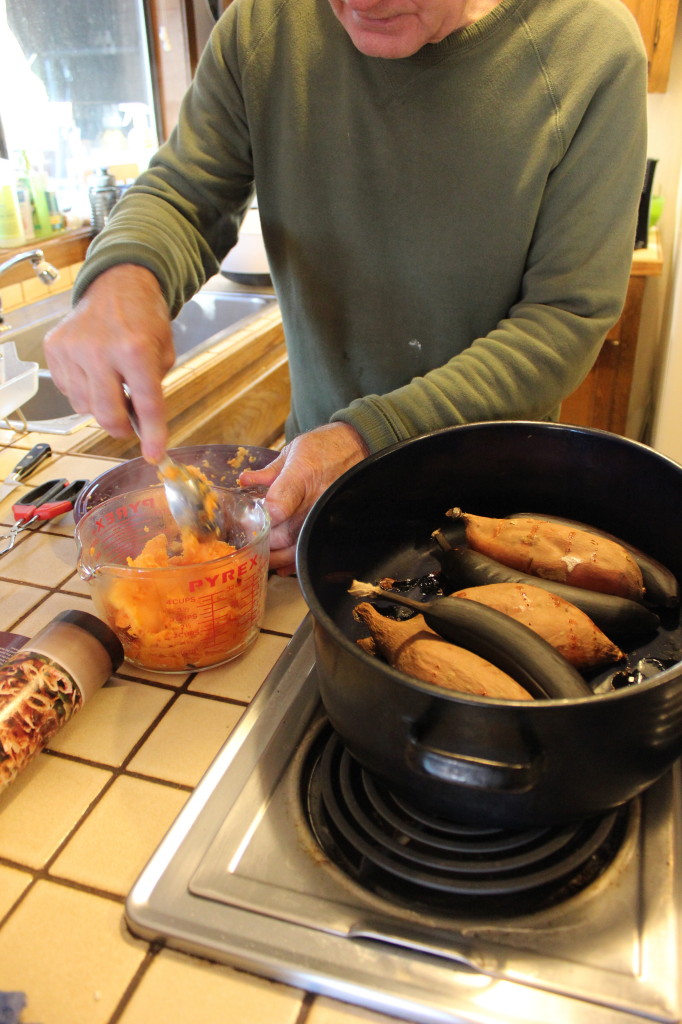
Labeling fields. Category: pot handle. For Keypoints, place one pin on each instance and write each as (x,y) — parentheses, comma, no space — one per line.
(471,771)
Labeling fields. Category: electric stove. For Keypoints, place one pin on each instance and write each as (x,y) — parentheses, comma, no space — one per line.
(289,861)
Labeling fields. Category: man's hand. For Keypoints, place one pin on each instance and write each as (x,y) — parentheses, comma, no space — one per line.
(296,479)
(118,333)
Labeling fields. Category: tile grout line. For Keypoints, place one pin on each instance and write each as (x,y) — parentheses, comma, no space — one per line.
(43,875)
(153,950)
(306,1006)
(120,770)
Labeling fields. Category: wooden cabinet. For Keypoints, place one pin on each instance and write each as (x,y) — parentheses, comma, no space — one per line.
(656,20)
(603,397)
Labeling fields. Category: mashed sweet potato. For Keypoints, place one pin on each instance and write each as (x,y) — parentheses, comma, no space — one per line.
(156,553)
(178,619)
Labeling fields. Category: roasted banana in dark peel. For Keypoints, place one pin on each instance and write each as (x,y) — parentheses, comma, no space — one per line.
(501,640)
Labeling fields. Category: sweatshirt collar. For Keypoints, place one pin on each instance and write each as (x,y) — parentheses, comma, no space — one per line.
(463,38)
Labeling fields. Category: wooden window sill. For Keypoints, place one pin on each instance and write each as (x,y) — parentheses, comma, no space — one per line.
(62,251)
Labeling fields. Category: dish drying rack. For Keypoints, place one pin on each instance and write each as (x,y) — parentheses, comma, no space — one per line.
(18,383)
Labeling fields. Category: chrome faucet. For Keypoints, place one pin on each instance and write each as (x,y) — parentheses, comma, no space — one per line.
(43,270)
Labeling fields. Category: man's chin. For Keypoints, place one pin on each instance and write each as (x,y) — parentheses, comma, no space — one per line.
(374,44)
(391,39)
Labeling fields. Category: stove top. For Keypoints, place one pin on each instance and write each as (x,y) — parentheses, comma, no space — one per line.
(262,871)
(401,852)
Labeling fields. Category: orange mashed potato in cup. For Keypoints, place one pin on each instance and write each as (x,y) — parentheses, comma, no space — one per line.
(179,618)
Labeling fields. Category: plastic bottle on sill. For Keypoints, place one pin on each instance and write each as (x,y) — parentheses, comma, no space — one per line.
(24,196)
(47,680)
(57,218)
(41,211)
(11,231)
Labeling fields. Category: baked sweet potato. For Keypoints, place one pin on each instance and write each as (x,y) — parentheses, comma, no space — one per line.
(565,627)
(555,551)
(410,646)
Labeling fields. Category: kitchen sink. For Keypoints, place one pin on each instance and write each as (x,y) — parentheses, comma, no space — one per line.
(210,317)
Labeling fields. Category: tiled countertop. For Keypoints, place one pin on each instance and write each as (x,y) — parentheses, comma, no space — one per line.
(78,825)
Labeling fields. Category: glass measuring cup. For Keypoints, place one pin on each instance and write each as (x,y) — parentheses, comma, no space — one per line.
(176,617)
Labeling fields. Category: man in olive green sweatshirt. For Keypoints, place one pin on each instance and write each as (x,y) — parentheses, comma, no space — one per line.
(448,192)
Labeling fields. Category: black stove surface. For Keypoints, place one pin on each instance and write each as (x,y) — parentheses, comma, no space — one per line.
(402,853)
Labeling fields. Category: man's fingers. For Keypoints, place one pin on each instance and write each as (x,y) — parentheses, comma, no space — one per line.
(283,535)
(148,403)
(119,331)
(283,562)
(264,477)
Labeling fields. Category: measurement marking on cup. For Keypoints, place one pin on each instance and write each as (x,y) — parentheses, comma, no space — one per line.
(217,613)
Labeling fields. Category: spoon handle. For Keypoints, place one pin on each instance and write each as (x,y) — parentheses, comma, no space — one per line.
(165,464)
(130,409)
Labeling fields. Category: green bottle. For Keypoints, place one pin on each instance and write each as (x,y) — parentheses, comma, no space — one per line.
(25,198)
(40,210)
(11,231)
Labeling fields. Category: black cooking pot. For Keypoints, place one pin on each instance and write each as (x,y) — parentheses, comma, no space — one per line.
(479,760)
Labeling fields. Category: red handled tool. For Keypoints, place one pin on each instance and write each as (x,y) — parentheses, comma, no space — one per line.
(46,501)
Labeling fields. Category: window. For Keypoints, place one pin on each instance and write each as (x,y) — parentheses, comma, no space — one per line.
(76,92)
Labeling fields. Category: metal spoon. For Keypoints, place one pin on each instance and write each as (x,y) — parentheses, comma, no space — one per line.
(189,498)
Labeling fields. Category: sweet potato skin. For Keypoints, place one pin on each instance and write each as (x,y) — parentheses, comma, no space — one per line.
(555,551)
(410,646)
(565,627)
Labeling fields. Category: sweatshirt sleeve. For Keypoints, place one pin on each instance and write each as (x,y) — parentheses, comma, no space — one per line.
(572,291)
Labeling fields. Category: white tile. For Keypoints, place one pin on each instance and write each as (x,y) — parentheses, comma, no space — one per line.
(70,952)
(76,466)
(178,989)
(16,600)
(174,679)
(329,1011)
(119,836)
(60,443)
(75,585)
(43,560)
(44,613)
(42,805)
(240,679)
(285,607)
(186,740)
(107,728)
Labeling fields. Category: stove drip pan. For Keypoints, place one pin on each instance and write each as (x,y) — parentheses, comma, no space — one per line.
(402,854)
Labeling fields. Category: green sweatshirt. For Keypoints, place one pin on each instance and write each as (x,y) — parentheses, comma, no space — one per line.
(450,235)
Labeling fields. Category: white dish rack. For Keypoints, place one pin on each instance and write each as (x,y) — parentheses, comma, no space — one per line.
(18,380)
